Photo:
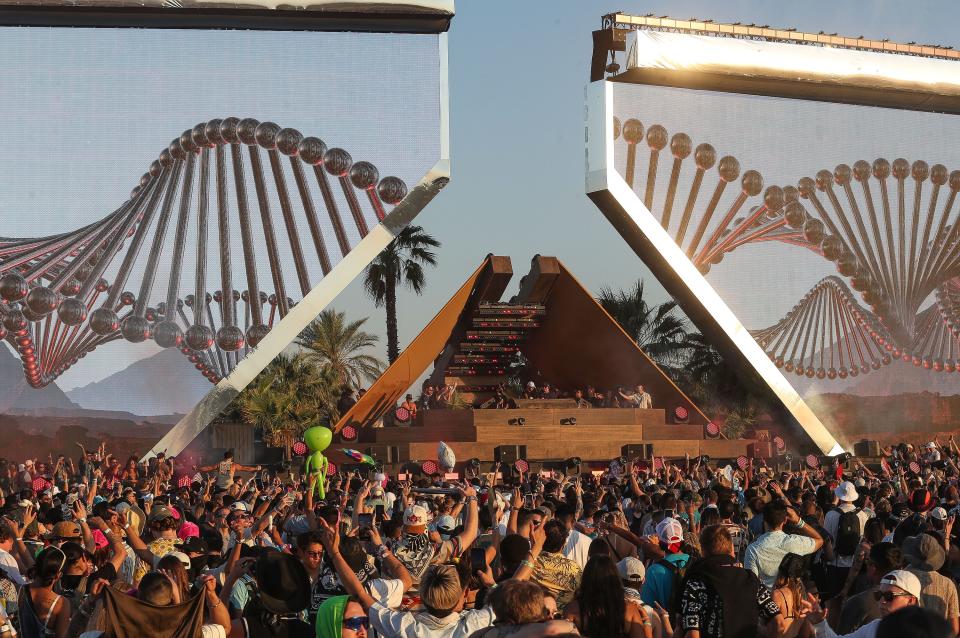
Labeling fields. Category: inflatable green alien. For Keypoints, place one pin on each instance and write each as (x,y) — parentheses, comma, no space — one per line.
(318,439)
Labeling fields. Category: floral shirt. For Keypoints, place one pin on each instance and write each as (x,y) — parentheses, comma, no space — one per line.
(701,608)
(558,575)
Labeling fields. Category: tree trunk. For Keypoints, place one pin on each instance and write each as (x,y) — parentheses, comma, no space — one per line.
(390,299)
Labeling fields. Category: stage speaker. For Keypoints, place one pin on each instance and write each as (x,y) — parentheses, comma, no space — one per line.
(866,448)
(507,454)
(760,450)
(642,451)
(384,454)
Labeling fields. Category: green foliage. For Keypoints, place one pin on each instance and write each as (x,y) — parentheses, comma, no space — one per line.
(332,343)
(299,391)
(688,358)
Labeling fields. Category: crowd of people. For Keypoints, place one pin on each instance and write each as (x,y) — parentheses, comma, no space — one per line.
(434,398)
(682,548)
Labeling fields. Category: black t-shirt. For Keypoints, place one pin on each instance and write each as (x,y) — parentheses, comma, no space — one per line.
(259,624)
(69,584)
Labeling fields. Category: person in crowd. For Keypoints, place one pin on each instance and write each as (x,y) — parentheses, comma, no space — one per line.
(720,598)
(42,612)
(915,622)
(416,550)
(410,406)
(499,556)
(600,607)
(764,555)
(665,575)
(862,608)
(227,469)
(428,399)
(924,556)
(555,572)
(581,399)
(637,398)
(789,594)
(898,589)
(845,524)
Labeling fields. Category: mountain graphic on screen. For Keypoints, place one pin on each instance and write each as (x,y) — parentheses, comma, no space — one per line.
(16,395)
(135,388)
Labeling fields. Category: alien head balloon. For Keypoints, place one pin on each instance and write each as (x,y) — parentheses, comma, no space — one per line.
(446,456)
(318,438)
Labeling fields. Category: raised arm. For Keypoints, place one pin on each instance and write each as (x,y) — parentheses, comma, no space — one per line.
(330,540)
(136,543)
(470,521)
(117,553)
(389,562)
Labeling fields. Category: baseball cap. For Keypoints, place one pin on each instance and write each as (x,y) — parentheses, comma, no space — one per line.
(669,531)
(195,545)
(904,580)
(631,570)
(239,505)
(416,516)
(65,529)
(183,558)
(446,524)
(188,530)
(938,513)
(159,513)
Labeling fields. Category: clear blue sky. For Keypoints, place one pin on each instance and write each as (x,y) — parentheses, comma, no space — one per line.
(518,72)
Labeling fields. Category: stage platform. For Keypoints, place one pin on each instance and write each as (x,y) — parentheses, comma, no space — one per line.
(554,330)
(596,435)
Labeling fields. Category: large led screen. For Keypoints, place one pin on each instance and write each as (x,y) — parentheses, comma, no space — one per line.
(169,196)
(829,230)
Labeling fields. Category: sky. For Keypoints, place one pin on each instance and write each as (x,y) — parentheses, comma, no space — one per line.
(517,110)
(517,78)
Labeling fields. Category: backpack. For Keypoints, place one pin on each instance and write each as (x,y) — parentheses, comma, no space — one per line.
(677,573)
(848,533)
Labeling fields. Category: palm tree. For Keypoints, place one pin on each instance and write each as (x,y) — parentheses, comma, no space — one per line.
(400,264)
(287,397)
(659,330)
(333,343)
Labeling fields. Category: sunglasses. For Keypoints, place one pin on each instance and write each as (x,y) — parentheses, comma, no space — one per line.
(887,596)
(355,623)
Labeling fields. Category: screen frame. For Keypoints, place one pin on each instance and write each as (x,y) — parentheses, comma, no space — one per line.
(378,19)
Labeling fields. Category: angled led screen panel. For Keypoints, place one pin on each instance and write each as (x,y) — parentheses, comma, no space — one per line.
(178,203)
(812,235)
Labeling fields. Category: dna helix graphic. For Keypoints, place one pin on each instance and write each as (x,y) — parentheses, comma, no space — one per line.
(895,251)
(64,295)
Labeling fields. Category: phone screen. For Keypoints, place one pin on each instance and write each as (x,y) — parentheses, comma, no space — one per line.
(528,501)
(365,520)
(379,512)
(478,559)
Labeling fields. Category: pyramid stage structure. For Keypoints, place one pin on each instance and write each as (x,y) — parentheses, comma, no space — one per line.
(568,340)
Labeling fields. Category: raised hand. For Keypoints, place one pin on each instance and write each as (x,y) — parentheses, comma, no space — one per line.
(98,523)
(811,610)
(329,537)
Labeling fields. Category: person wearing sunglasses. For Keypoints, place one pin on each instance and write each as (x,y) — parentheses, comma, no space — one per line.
(897,590)
(341,617)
